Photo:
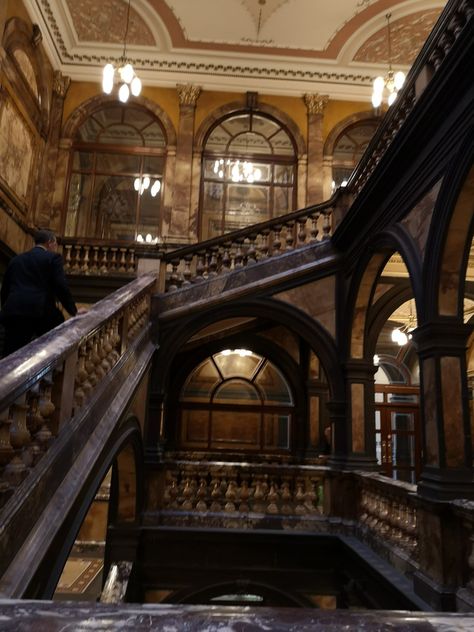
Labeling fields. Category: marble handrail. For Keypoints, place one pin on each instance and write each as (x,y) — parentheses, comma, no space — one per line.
(45,383)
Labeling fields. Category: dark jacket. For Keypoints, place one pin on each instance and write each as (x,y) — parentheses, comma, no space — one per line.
(33,281)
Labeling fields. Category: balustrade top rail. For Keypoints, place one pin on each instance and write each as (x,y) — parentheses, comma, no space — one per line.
(27,365)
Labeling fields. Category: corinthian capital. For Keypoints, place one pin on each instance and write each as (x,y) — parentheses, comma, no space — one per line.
(315,103)
(60,83)
(188,94)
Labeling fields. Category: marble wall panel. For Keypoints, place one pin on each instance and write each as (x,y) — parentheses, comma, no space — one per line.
(17,149)
(314,421)
(357,416)
(431,413)
(418,221)
(317,299)
(452,411)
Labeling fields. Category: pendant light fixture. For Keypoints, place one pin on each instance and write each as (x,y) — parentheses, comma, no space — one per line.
(389,85)
(124,75)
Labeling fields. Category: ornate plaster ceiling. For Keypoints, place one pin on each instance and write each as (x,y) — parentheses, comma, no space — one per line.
(270,46)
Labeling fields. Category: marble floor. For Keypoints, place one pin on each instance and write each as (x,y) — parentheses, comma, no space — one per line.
(46,616)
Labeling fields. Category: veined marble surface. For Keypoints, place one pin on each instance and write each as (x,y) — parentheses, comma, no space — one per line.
(46,616)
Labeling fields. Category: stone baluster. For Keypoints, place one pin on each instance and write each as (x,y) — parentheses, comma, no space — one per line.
(285,495)
(37,425)
(85,260)
(200,265)
(187,494)
(96,359)
(299,497)
(7,453)
(81,376)
(314,227)
(259,495)
(95,260)
(187,274)
(326,223)
(273,497)
(226,260)
(276,240)
(201,493)
(230,496)
(311,496)
(105,263)
(122,267)
(216,493)
(20,439)
(171,491)
(174,276)
(76,266)
(252,250)
(289,239)
(131,262)
(67,257)
(301,234)
(239,255)
(213,262)
(244,494)
(113,259)
(264,244)
(395,533)
(46,406)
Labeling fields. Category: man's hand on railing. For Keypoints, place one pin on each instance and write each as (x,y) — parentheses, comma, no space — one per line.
(81,311)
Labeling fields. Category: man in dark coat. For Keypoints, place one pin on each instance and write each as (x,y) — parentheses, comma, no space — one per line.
(33,282)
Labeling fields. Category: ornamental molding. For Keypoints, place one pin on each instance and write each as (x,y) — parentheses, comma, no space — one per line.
(60,83)
(315,103)
(188,94)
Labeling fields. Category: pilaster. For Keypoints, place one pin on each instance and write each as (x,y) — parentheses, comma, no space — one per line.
(179,225)
(315,105)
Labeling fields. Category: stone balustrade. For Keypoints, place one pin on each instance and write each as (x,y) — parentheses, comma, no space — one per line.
(99,259)
(248,246)
(242,489)
(45,384)
(387,511)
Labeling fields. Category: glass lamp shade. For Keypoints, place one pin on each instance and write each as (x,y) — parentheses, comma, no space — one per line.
(136,86)
(391,98)
(379,84)
(108,78)
(376,99)
(155,188)
(399,79)
(126,73)
(123,93)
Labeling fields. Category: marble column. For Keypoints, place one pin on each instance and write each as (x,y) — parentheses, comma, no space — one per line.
(360,426)
(179,225)
(51,187)
(315,104)
(447,440)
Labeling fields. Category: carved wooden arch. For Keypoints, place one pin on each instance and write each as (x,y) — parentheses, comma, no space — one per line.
(96,103)
(365,278)
(339,128)
(239,106)
(18,35)
(450,237)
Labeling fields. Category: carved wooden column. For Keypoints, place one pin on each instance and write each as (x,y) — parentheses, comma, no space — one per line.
(447,469)
(315,104)
(52,182)
(179,226)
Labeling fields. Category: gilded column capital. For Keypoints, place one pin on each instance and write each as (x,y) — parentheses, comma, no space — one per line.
(315,103)
(60,83)
(188,93)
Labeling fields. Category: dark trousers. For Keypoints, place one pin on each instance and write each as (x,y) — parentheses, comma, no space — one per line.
(20,330)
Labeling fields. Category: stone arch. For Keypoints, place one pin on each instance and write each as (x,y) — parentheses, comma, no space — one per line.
(339,128)
(95,103)
(450,238)
(365,279)
(238,106)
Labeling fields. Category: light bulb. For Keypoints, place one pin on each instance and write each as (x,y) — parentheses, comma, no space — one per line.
(148,238)
(376,99)
(136,184)
(391,98)
(107,84)
(146,182)
(221,173)
(108,71)
(376,360)
(126,73)
(140,238)
(257,174)
(216,166)
(136,86)
(123,93)
(379,84)
(399,79)
(155,188)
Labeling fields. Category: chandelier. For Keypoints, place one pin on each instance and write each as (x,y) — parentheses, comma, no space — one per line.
(143,184)
(124,74)
(240,171)
(392,82)
(401,335)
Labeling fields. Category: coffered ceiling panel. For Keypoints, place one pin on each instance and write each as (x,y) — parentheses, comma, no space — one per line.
(272,46)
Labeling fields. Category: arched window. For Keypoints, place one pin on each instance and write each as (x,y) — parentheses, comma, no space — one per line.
(116,175)
(349,147)
(237,400)
(248,174)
